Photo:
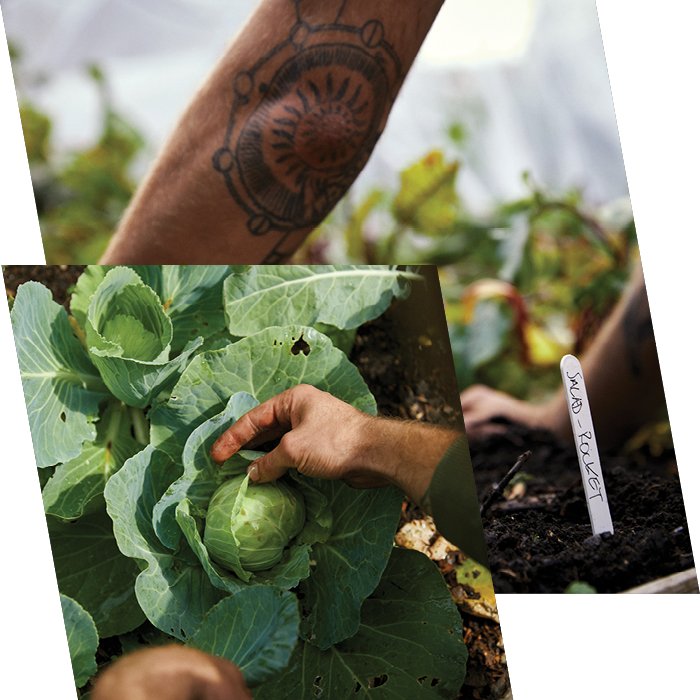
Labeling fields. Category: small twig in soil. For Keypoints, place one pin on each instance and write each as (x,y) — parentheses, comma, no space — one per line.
(501,485)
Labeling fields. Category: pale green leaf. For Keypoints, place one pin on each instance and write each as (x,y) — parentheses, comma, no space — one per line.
(350,562)
(262,365)
(82,640)
(129,337)
(76,486)
(174,592)
(408,645)
(255,628)
(62,388)
(343,297)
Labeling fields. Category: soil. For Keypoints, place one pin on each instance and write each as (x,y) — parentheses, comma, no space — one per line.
(406,360)
(541,541)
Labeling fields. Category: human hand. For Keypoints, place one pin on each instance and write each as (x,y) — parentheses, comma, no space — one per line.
(324,437)
(481,406)
(321,436)
(171,672)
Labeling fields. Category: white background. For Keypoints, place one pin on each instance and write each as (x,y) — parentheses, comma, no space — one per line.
(559,647)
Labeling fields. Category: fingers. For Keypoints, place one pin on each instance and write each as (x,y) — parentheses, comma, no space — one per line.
(270,417)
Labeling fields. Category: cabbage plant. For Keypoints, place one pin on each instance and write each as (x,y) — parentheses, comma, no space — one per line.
(152,541)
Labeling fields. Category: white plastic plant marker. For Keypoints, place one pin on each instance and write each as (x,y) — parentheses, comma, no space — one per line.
(586,446)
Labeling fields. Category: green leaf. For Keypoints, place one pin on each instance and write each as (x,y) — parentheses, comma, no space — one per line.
(62,389)
(191,296)
(174,591)
(350,562)
(427,200)
(85,287)
(173,515)
(82,640)
(129,337)
(580,587)
(262,365)
(90,569)
(270,295)
(255,628)
(76,486)
(409,644)
(201,475)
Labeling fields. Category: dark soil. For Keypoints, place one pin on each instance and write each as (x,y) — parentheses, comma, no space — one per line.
(541,541)
(58,278)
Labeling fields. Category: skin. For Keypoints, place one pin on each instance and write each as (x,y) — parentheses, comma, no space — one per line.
(276,134)
(622,374)
(326,438)
(171,672)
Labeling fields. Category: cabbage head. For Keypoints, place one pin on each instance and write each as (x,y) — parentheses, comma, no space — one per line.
(252,522)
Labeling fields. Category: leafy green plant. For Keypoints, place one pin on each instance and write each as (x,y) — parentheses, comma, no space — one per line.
(81,194)
(152,541)
(524,284)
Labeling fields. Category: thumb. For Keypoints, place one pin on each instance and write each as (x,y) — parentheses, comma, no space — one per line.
(270,467)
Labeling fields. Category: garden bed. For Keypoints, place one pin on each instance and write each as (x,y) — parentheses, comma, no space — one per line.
(405,359)
(540,540)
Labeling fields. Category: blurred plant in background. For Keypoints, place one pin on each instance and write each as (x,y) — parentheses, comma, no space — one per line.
(81,195)
(524,285)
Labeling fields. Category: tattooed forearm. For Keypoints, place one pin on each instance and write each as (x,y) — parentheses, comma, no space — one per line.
(638,330)
(303,122)
(276,134)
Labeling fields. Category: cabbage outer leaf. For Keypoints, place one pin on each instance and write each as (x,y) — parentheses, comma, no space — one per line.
(91,569)
(82,640)
(262,365)
(76,486)
(409,640)
(62,388)
(350,562)
(173,591)
(201,475)
(346,297)
(256,628)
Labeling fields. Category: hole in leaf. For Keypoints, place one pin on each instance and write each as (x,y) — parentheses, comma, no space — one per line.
(63,416)
(378,680)
(434,682)
(301,346)
(358,687)
(317,688)
(422,679)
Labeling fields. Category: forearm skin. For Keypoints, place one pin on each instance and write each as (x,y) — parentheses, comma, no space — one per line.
(277,133)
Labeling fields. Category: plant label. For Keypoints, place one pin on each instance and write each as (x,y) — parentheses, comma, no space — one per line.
(586,447)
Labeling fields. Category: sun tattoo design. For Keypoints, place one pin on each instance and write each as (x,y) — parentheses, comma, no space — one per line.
(320,100)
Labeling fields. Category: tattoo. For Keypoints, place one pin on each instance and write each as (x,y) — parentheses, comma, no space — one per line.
(319,100)
(637,328)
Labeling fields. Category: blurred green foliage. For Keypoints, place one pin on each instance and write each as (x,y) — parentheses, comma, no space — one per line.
(524,285)
(81,195)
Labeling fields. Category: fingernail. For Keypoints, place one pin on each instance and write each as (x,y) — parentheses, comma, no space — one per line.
(253,472)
